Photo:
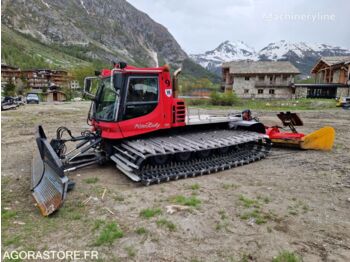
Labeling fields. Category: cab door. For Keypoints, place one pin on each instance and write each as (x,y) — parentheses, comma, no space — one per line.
(142,110)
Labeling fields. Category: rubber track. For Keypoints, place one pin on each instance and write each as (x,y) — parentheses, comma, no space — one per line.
(198,167)
(134,157)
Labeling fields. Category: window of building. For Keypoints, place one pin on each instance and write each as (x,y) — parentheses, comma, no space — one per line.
(260,91)
(246,91)
(271,78)
(261,78)
(247,78)
(271,91)
(285,78)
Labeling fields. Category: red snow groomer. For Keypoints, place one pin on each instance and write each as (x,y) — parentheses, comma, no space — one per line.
(321,139)
(138,122)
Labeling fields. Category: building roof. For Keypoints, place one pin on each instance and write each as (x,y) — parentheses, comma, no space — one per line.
(54,91)
(5,66)
(35,91)
(332,60)
(261,67)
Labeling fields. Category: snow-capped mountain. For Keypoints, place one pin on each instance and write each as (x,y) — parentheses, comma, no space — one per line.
(302,55)
(226,51)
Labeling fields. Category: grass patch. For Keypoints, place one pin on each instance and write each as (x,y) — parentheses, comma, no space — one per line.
(150,212)
(108,234)
(298,206)
(186,201)
(97,224)
(131,251)
(221,225)
(141,231)
(167,224)
(229,186)
(8,214)
(71,211)
(247,202)
(292,212)
(16,241)
(195,186)
(222,214)
(274,104)
(257,215)
(91,180)
(264,199)
(118,197)
(286,256)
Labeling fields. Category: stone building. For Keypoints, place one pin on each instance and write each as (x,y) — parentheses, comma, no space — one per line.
(259,79)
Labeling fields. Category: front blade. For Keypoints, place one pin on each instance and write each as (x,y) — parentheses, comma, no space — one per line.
(49,184)
(321,139)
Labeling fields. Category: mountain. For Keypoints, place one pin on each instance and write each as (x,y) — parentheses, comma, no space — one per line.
(104,29)
(226,51)
(70,33)
(302,55)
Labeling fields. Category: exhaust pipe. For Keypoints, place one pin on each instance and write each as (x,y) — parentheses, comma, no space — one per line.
(175,82)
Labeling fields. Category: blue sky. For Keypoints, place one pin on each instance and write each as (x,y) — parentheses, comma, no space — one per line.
(200,25)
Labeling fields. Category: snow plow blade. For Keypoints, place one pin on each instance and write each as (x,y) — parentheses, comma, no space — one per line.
(321,139)
(49,184)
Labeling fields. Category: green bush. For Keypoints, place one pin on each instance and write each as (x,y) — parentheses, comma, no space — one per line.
(228,99)
(196,102)
(225,99)
(215,98)
(68,92)
(10,89)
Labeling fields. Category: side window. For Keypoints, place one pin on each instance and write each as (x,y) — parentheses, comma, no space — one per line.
(142,89)
(141,97)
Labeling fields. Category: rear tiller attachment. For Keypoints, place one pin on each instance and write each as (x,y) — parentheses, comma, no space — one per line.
(321,139)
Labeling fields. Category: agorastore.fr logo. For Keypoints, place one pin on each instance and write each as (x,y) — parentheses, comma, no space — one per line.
(67,255)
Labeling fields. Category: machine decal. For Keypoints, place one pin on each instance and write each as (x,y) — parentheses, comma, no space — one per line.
(168,92)
(147,125)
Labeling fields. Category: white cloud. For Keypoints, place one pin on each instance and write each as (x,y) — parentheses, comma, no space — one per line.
(200,25)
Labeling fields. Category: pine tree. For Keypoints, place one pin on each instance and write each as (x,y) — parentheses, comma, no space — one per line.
(9,89)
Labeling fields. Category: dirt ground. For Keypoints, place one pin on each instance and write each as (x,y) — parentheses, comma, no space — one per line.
(296,201)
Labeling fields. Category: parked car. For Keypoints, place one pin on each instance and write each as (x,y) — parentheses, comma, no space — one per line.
(7,103)
(19,100)
(32,99)
(343,101)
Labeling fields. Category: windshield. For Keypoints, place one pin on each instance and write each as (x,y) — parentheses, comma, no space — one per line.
(107,99)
